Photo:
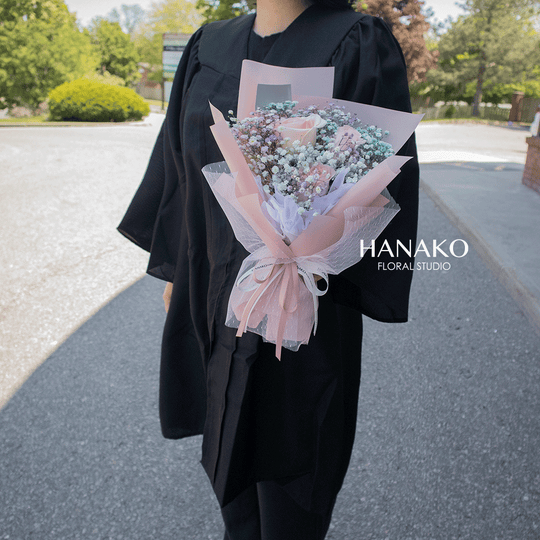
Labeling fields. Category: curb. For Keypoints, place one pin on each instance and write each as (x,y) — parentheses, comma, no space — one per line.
(506,276)
(142,122)
(67,124)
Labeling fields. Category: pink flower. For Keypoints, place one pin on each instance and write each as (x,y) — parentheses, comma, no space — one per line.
(302,129)
(347,138)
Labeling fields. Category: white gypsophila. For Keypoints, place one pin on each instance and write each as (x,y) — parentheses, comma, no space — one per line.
(287,168)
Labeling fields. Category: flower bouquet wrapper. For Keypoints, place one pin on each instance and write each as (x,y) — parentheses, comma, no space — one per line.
(276,294)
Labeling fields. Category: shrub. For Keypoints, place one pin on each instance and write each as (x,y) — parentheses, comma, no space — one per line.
(105,77)
(450,112)
(94,101)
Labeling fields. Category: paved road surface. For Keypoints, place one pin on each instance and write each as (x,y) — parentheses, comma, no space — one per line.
(447,439)
(62,194)
(471,142)
(448,430)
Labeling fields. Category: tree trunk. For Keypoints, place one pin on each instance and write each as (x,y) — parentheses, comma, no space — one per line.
(479,85)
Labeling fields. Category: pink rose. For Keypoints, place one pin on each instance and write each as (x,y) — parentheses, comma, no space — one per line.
(347,138)
(302,129)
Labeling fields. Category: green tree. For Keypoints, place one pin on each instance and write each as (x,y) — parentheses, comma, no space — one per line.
(493,44)
(173,16)
(181,16)
(118,54)
(409,26)
(130,17)
(41,47)
(218,10)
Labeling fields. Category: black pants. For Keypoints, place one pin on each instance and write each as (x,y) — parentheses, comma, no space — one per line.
(266,512)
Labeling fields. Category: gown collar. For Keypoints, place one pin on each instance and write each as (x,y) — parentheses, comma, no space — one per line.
(310,40)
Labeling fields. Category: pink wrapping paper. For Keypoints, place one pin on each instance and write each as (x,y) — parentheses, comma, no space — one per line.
(275,294)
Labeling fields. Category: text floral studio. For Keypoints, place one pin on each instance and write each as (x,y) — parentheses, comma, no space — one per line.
(456,248)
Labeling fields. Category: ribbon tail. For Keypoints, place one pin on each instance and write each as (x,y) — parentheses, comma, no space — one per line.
(316,312)
(261,289)
(281,330)
(249,308)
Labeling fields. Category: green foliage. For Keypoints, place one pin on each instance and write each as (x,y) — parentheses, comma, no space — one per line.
(150,49)
(118,54)
(12,10)
(105,77)
(91,101)
(450,112)
(40,48)
(172,16)
(179,16)
(484,51)
(219,10)
(129,17)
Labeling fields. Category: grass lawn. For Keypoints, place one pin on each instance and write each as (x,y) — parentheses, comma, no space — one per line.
(24,120)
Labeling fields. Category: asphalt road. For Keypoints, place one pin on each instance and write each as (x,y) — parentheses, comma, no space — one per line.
(63,191)
(447,439)
(471,142)
(449,418)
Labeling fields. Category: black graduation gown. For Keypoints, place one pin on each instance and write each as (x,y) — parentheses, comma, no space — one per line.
(294,420)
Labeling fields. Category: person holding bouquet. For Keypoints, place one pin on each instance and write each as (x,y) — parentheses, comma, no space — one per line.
(277,434)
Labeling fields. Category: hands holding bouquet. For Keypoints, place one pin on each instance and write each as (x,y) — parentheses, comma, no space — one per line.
(301,187)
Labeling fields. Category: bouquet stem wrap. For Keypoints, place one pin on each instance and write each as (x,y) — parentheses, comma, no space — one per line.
(276,293)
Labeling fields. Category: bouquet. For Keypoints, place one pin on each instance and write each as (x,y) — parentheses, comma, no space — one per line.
(303,186)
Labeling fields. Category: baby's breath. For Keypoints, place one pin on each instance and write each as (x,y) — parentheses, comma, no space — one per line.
(288,169)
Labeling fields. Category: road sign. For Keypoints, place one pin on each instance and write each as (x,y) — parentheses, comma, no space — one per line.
(173,47)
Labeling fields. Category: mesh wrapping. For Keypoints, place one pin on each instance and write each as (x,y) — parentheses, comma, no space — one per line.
(276,297)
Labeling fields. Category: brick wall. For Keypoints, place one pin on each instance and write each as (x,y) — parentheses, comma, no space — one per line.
(531,174)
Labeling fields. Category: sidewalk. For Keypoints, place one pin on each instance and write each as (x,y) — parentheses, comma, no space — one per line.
(499,216)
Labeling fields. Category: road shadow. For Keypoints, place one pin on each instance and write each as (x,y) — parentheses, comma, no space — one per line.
(82,454)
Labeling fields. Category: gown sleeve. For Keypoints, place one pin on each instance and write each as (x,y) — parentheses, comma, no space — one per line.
(149,221)
(370,68)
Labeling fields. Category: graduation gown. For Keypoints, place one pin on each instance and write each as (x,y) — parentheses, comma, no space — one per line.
(292,421)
